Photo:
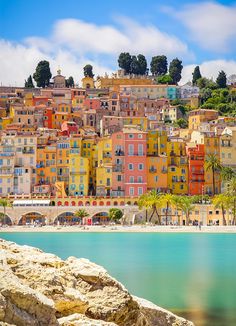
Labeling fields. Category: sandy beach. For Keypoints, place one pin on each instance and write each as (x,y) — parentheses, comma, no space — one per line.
(121,228)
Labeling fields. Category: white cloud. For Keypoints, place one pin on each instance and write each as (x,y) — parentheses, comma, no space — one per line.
(212,25)
(209,69)
(73,43)
(131,36)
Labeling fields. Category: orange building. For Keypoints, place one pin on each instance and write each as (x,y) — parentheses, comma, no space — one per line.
(195,155)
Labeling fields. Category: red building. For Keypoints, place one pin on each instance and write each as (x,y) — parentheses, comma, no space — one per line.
(196,169)
(69,128)
(47,122)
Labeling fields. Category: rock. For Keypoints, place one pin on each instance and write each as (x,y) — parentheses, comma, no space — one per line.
(81,320)
(41,289)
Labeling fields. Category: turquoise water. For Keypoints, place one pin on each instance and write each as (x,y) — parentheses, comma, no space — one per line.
(193,275)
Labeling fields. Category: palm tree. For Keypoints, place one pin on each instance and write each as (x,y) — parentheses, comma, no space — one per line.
(214,165)
(231,192)
(5,203)
(223,202)
(185,203)
(81,213)
(150,200)
(167,200)
(227,173)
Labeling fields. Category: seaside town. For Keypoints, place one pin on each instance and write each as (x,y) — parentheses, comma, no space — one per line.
(132,138)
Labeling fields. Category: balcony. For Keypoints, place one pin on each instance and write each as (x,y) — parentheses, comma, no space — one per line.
(118,168)
(106,155)
(136,154)
(152,170)
(117,193)
(78,172)
(178,180)
(28,151)
(152,154)
(119,153)
(198,172)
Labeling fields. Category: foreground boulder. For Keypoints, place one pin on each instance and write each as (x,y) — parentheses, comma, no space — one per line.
(38,289)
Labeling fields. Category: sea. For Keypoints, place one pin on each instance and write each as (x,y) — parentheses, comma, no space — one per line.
(191,274)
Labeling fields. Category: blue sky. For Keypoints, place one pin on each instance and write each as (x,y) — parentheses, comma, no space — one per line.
(71,33)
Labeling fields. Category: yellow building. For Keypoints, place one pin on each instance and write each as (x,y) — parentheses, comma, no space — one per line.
(197,117)
(4,122)
(141,122)
(78,169)
(28,99)
(157,160)
(177,166)
(87,82)
(107,82)
(104,168)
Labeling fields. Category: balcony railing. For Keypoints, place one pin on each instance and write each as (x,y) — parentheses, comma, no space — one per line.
(106,155)
(117,168)
(152,170)
(78,172)
(117,193)
(119,153)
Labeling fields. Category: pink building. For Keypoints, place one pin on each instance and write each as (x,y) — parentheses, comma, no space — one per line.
(129,153)
(92,103)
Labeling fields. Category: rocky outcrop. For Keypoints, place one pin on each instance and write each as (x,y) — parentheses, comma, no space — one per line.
(38,289)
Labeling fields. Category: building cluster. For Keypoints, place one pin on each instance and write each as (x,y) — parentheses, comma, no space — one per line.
(109,138)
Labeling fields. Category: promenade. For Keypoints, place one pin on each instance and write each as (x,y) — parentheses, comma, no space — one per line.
(121,228)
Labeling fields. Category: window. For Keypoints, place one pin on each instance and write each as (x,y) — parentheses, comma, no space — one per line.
(131,149)
(131,179)
(140,136)
(140,149)
(140,166)
(119,177)
(140,191)
(131,166)
(131,136)
(131,191)
(140,179)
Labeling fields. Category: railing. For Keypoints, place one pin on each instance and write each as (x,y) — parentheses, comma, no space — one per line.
(119,153)
(107,155)
(117,168)
(153,170)
(78,172)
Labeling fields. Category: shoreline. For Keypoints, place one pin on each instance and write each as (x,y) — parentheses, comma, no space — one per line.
(119,229)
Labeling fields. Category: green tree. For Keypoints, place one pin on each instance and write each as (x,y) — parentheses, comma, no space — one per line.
(213,165)
(222,201)
(196,75)
(142,64)
(134,65)
(88,71)
(124,61)
(231,192)
(167,200)
(227,173)
(221,80)
(81,213)
(181,123)
(158,65)
(115,214)
(206,83)
(186,204)
(4,203)
(70,82)
(29,82)
(175,70)
(150,201)
(42,74)
(164,79)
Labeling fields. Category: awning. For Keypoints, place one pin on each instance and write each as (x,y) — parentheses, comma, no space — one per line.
(33,202)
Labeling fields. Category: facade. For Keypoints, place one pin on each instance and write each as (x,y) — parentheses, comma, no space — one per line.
(196,158)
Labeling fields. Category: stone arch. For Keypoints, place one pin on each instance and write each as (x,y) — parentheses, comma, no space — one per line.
(5,220)
(73,203)
(32,217)
(100,217)
(66,217)
(80,203)
(101,203)
(94,203)
(115,203)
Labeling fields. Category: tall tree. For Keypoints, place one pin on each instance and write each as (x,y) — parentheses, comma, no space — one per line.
(167,200)
(142,64)
(115,214)
(29,82)
(81,213)
(186,204)
(164,79)
(158,65)
(231,192)
(124,61)
(88,71)
(221,80)
(42,74)
(134,65)
(222,201)
(4,203)
(196,75)
(70,82)
(213,165)
(175,70)
(150,201)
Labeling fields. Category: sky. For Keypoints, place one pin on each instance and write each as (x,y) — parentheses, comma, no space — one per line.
(70,34)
